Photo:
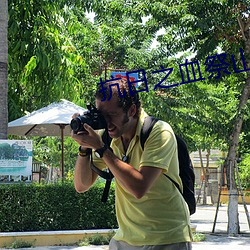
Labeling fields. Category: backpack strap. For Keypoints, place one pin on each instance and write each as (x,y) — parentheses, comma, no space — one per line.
(106,138)
(175,183)
(147,127)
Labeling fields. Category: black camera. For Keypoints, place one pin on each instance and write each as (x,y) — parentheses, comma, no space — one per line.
(92,117)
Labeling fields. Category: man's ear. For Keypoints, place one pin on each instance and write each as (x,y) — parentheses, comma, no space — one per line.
(132,110)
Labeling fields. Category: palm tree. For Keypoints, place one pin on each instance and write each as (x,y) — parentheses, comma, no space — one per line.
(3,69)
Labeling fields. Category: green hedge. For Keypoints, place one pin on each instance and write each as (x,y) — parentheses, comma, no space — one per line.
(54,207)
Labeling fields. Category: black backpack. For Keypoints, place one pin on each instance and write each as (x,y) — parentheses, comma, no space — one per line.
(185,165)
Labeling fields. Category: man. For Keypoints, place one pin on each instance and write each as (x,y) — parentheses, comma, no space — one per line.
(150,210)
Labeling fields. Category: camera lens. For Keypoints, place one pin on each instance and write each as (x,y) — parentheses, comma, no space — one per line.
(76,124)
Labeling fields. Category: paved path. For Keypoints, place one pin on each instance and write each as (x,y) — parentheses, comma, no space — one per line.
(205,215)
(203,219)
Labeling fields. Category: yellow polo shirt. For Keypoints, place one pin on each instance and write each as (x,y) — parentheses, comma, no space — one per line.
(161,216)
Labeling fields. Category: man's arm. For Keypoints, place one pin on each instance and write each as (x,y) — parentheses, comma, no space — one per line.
(84,176)
(137,182)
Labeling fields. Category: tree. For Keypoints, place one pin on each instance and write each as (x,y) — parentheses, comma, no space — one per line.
(3,69)
(40,65)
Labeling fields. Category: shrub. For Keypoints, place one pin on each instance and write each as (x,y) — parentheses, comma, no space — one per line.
(19,244)
(97,239)
(36,207)
(244,172)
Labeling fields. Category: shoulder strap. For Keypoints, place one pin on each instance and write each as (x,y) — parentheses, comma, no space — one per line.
(147,127)
(106,138)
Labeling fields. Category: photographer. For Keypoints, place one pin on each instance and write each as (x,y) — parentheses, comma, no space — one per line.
(150,210)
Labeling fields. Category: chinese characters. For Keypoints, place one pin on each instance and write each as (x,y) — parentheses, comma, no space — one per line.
(189,71)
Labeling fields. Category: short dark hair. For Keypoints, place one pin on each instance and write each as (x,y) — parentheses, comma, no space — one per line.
(127,97)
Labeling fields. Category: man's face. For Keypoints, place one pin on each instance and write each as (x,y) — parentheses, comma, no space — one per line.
(117,120)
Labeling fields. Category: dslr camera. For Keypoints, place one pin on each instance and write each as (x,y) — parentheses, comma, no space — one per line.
(92,117)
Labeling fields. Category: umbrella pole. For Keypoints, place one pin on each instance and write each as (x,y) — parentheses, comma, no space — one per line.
(62,126)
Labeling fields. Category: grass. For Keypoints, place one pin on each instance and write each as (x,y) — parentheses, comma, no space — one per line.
(97,239)
(197,237)
(19,244)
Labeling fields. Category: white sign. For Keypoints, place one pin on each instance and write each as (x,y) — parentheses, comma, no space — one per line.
(16,157)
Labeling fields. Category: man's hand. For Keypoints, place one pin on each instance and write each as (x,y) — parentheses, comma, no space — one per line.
(88,138)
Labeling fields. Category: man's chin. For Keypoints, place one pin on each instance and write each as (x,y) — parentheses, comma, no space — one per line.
(112,133)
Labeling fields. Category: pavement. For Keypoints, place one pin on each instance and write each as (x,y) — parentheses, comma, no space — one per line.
(203,219)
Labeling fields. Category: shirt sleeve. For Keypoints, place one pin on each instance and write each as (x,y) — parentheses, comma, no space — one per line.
(160,149)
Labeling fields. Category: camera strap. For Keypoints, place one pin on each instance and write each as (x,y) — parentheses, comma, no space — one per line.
(107,175)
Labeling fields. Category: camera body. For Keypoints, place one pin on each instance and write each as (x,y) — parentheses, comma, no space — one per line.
(92,117)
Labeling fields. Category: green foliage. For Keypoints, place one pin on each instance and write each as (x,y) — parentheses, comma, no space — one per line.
(244,167)
(6,151)
(54,207)
(19,244)
(47,150)
(197,237)
(44,59)
(97,239)
(201,112)
(56,52)
(204,112)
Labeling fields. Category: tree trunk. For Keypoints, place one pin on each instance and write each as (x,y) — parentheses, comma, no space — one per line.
(233,220)
(3,69)
(233,217)
(204,199)
(207,172)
